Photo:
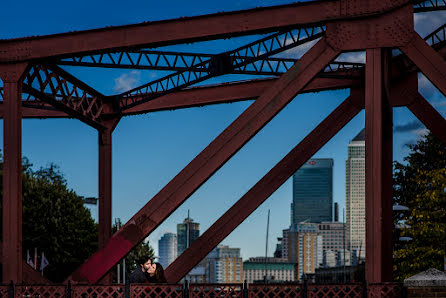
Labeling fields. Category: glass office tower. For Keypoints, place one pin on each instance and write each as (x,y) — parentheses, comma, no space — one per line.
(313,192)
(187,232)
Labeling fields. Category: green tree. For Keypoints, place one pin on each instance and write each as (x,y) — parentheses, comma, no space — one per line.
(55,221)
(142,250)
(420,185)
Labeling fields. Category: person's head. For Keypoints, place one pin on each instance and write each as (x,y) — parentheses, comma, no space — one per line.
(157,270)
(145,263)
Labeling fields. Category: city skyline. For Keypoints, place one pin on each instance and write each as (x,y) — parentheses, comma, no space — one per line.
(149,150)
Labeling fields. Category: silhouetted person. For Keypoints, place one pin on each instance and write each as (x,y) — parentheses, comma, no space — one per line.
(156,274)
(140,275)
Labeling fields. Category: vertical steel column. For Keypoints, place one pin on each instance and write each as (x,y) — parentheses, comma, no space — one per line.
(378,166)
(12,172)
(105,191)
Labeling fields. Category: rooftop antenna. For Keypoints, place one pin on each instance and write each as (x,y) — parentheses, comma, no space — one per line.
(266,247)
(343,240)
(187,228)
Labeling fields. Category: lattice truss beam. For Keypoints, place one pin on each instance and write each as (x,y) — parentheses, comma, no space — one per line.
(52,85)
(49,87)
(430,5)
(254,58)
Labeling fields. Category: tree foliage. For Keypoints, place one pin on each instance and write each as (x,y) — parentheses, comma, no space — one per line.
(55,221)
(420,185)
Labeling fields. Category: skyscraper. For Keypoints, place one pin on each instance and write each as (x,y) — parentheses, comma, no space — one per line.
(313,192)
(187,232)
(355,194)
(167,247)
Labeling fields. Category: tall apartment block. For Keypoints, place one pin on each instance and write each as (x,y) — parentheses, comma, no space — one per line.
(305,248)
(224,265)
(313,192)
(355,194)
(167,249)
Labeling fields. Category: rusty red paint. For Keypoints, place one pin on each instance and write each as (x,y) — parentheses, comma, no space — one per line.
(433,120)
(12,173)
(378,160)
(120,245)
(428,60)
(224,93)
(105,191)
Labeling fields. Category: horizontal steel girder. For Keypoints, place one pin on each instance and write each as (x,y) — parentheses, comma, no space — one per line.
(178,62)
(186,30)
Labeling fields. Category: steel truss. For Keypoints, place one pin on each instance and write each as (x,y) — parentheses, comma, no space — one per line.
(177,61)
(430,5)
(52,85)
(220,64)
(185,62)
(31,65)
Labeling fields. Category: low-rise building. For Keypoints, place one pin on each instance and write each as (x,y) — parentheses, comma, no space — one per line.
(273,269)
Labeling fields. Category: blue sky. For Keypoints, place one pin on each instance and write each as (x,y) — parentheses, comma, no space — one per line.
(148,150)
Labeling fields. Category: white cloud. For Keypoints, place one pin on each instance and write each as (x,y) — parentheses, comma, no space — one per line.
(431,93)
(356,57)
(127,81)
(425,87)
(439,104)
(298,51)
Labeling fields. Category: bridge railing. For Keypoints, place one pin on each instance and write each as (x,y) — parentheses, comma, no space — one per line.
(186,290)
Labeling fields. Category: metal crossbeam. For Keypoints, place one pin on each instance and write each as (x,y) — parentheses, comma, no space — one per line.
(438,37)
(221,64)
(436,40)
(139,59)
(178,61)
(58,88)
(430,5)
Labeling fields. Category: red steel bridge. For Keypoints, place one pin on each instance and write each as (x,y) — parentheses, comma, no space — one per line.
(36,86)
